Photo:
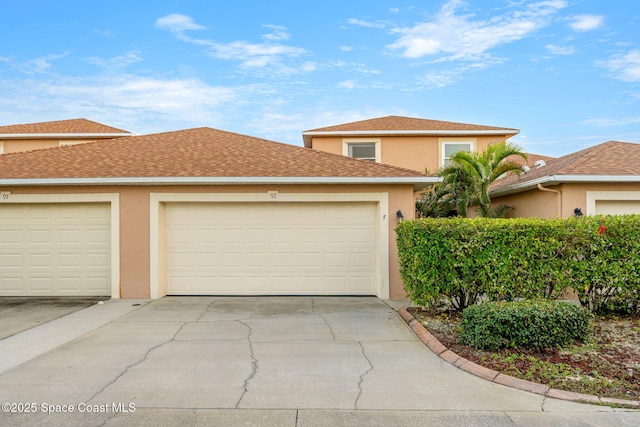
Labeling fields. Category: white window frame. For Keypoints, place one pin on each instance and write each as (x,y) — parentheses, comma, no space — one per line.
(347,143)
(450,141)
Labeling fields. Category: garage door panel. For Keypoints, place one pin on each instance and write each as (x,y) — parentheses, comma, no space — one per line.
(55,249)
(617,207)
(11,285)
(253,248)
(361,283)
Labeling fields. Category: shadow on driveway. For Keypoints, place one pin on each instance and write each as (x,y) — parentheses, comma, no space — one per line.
(18,314)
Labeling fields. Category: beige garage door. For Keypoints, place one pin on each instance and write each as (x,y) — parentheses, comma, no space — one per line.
(55,249)
(617,207)
(271,249)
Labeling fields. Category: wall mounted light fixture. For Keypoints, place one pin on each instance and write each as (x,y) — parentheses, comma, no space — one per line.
(399,216)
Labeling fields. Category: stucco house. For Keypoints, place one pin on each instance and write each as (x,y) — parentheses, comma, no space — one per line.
(412,143)
(34,136)
(200,211)
(603,179)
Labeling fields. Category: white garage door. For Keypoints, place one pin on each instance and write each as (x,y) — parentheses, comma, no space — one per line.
(277,249)
(55,249)
(617,207)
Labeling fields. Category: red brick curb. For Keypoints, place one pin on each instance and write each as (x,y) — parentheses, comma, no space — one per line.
(494,376)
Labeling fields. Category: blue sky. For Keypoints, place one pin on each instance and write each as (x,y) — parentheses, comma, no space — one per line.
(564,72)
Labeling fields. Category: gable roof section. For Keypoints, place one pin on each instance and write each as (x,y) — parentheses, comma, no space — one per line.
(194,156)
(611,161)
(61,128)
(399,125)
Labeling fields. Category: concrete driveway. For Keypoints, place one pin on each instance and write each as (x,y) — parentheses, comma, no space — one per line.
(17,314)
(291,361)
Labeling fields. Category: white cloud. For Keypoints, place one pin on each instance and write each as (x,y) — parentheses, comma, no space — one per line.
(125,100)
(439,79)
(309,66)
(177,23)
(586,22)
(117,61)
(254,54)
(606,121)
(250,55)
(457,36)
(367,24)
(41,64)
(278,33)
(394,10)
(560,50)
(346,48)
(625,67)
(347,84)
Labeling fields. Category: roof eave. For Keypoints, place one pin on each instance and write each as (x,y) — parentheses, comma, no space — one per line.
(562,179)
(307,135)
(62,135)
(418,183)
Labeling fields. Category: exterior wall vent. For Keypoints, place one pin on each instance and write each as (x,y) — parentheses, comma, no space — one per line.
(540,163)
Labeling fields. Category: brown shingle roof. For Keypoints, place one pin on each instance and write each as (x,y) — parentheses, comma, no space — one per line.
(532,158)
(200,152)
(390,125)
(399,123)
(611,158)
(82,126)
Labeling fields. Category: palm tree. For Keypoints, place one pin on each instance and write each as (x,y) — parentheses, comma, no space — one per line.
(467,179)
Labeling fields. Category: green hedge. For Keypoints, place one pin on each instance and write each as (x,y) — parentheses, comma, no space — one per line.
(524,324)
(465,261)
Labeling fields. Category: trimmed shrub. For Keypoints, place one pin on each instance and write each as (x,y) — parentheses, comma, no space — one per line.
(524,324)
(464,261)
(604,263)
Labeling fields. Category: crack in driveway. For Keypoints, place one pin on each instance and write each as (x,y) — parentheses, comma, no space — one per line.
(254,365)
(132,365)
(355,405)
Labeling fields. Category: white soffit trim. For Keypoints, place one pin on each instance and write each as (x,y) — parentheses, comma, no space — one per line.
(62,135)
(560,179)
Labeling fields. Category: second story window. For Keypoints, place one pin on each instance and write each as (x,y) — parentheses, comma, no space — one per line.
(450,148)
(362,148)
(363,151)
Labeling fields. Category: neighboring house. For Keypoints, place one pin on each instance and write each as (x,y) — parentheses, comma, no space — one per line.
(200,211)
(603,179)
(412,143)
(34,136)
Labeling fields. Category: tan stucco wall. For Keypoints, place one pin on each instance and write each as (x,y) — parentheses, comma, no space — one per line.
(536,203)
(20,145)
(135,222)
(530,204)
(411,152)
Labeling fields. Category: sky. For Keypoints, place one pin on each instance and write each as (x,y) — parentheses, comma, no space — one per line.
(564,72)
